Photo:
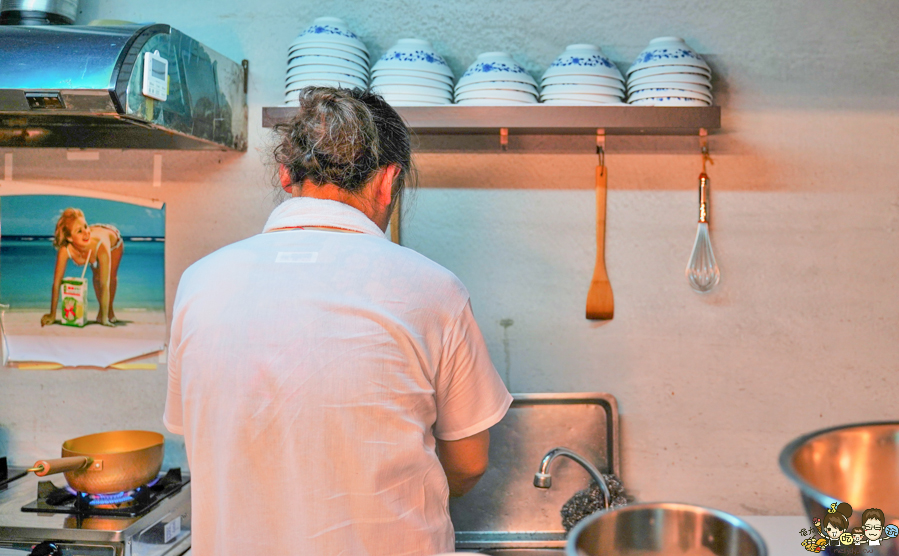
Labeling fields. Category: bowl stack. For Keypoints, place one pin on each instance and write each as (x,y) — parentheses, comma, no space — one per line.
(412,73)
(327,54)
(495,79)
(669,73)
(582,75)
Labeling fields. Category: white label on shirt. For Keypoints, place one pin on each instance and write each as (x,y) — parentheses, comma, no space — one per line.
(296,257)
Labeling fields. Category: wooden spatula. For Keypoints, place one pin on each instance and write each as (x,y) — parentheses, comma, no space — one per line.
(600,304)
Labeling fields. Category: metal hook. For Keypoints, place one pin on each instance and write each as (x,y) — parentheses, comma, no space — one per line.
(704,148)
(600,147)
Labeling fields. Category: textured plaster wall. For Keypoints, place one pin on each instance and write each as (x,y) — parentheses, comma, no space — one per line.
(801,333)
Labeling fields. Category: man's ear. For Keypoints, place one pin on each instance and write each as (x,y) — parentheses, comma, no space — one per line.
(284,176)
(384,185)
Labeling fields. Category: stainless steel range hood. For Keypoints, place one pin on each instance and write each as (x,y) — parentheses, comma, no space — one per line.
(85,87)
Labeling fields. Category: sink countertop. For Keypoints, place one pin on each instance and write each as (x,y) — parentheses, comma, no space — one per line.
(781,533)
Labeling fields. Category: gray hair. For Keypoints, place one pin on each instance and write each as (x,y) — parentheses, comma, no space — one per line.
(343,137)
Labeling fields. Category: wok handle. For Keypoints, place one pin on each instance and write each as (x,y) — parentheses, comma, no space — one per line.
(60,465)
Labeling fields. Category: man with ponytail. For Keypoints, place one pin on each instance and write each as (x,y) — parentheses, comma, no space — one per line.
(333,387)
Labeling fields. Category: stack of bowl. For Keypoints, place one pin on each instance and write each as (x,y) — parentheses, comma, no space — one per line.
(326,54)
(669,73)
(582,75)
(495,79)
(412,73)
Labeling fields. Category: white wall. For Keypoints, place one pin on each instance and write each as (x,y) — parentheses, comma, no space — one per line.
(801,333)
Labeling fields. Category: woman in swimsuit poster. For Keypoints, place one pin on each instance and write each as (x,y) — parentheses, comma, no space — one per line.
(100,246)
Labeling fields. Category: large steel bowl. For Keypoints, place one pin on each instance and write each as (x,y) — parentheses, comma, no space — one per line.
(664,528)
(857,464)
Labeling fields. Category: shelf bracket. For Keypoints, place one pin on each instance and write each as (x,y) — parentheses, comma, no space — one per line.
(504,138)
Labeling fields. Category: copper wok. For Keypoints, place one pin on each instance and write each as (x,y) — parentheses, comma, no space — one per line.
(107,462)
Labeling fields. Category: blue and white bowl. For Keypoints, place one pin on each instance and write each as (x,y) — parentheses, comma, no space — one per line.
(668,51)
(493,85)
(402,74)
(680,93)
(691,78)
(329,30)
(388,91)
(583,80)
(495,66)
(415,80)
(583,59)
(668,101)
(704,89)
(413,54)
(326,54)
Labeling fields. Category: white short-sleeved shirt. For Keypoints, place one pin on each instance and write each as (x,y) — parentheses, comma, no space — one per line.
(310,372)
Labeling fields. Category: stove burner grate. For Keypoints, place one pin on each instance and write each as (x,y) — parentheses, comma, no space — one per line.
(133,503)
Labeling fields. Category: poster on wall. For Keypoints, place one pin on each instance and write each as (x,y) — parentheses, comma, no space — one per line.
(82,281)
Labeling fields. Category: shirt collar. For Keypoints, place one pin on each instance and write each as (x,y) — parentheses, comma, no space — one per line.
(308,211)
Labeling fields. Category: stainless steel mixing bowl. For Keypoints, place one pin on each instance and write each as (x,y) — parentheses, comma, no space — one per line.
(664,528)
(857,464)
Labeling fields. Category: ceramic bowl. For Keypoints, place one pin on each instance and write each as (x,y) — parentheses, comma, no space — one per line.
(330,45)
(574,79)
(346,54)
(589,89)
(413,103)
(437,94)
(347,81)
(498,94)
(325,61)
(414,54)
(296,87)
(491,102)
(669,101)
(660,70)
(408,80)
(498,85)
(567,102)
(692,78)
(329,29)
(704,89)
(603,99)
(315,51)
(414,98)
(412,73)
(495,66)
(296,71)
(667,51)
(583,59)
(653,93)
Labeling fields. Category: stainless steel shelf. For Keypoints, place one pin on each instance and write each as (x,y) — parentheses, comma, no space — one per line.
(455,128)
(540,119)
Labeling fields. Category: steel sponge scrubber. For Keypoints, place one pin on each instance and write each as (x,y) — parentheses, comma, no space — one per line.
(590,500)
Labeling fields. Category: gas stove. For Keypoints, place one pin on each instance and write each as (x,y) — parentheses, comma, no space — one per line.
(46,518)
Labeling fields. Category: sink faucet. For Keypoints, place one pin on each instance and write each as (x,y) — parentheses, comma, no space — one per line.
(542,479)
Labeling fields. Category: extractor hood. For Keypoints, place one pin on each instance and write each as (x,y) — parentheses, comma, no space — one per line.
(123,87)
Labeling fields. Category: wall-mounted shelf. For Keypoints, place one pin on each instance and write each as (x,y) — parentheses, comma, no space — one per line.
(539,128)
